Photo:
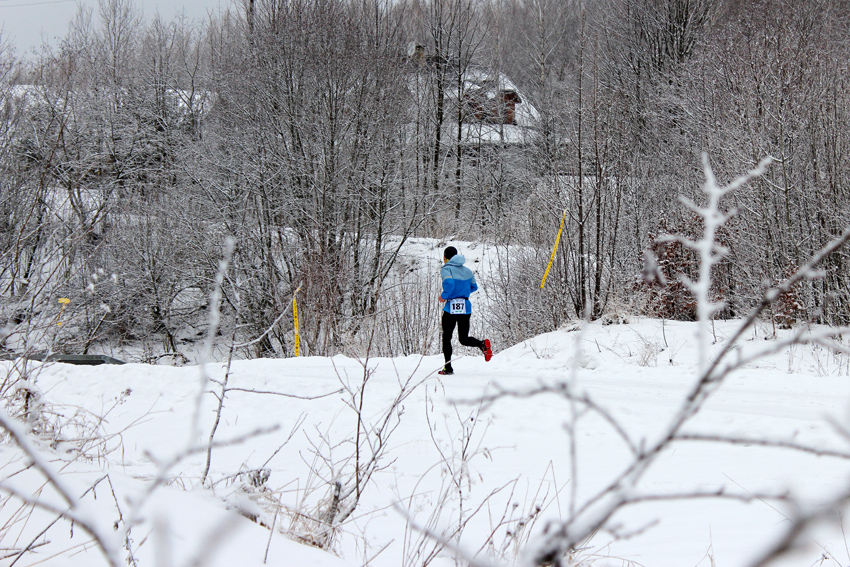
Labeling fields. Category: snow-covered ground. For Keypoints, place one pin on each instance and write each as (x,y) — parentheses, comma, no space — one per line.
(451,461)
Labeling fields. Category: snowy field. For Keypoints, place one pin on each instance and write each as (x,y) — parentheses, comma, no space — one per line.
(451,462)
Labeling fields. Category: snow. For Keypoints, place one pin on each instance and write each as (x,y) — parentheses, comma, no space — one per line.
(452,458)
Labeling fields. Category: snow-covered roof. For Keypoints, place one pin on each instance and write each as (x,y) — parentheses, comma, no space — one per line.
(495,87)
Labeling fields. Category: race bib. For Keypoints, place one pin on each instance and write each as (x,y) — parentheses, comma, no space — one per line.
(457,306)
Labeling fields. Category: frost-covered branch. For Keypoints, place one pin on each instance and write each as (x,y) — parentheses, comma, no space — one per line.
(212,332)
(76,509)
(349,477)
(708,250)
(283,394)
(762,442)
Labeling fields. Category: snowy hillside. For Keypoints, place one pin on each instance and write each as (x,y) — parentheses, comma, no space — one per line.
(456,456)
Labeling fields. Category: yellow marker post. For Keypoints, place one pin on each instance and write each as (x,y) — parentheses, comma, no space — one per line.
(295,319)
(64,301)
(554,250)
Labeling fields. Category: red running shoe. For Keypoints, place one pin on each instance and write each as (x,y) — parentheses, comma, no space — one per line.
(488,353)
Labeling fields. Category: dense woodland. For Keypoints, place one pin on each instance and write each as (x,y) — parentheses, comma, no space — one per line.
(317,136)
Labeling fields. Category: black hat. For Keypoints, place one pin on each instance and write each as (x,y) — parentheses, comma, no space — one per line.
(450,252)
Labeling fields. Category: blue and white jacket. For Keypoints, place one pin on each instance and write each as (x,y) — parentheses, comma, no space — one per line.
(458,282)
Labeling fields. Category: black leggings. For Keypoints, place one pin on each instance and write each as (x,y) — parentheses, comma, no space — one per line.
(462,322)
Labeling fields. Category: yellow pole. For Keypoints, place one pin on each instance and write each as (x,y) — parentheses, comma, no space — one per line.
(64,301)
(295,318)
(554,250)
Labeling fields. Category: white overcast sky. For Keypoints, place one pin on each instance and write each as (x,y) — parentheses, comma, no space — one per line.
(25,23)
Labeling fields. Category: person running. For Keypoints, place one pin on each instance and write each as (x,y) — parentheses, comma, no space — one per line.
(458,284)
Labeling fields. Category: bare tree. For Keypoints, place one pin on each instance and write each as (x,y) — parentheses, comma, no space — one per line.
(314,190)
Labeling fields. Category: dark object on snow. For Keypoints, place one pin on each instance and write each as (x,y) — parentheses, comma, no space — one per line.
(82,359)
